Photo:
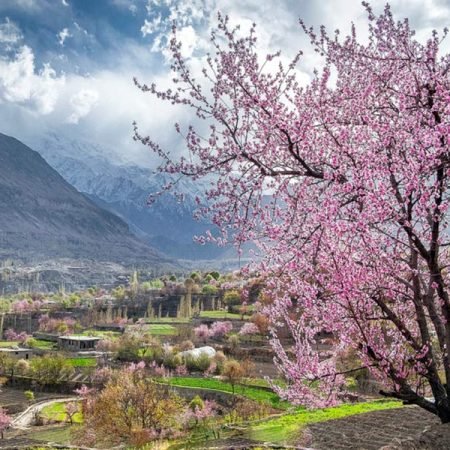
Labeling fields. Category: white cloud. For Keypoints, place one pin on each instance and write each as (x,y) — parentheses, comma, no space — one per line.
(63,35)
(64,2)
(81,29)
(110,100)
(20,83)
(82,103)
(188,38)
(151,26)
(10,33)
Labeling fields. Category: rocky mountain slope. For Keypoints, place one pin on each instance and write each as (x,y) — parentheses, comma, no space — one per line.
(123,188)
(43,217)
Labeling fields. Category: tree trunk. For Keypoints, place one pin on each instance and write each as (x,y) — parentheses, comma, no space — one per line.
(443,412)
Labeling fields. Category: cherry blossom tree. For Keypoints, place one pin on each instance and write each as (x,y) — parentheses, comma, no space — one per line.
(249,328)
(12,335)
(71,408)
(220,328)
(202,332)
(5,421)
(343,185)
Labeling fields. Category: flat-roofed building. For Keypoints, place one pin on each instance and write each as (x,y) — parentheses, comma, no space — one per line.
(17,352)
(77,343)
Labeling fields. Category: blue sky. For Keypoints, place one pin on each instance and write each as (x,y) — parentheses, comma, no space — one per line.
(67,65)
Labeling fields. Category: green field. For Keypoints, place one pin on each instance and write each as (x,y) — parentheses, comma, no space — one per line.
(100,333)
(287,427)
(57,413)
(58,435)
(168,320)
(81,361)
(252,392)
(44,345)
(5,344)
(162,330)
(220,315)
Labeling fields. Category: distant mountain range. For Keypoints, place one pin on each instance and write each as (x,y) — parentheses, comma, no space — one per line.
(123,189)
(43,217)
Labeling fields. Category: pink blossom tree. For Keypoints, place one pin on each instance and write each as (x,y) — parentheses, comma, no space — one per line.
(249,328)
(343,185)
(200,411)
(202,332)
(220,329)
(5,421)
(71,408)
(12,335)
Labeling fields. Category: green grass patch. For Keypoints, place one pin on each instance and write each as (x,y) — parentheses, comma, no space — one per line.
(162,330)
(43,345)
(157,320)
(57,413)
(6,344)
(221,315)
(100,333)
(285,428)
(252,392)
(58,435)
(81,361)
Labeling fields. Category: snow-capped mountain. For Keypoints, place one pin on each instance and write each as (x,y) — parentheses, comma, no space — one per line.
(123,188)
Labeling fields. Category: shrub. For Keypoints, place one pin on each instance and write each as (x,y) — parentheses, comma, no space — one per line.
(199,364)
(209,289)
(29,395)
(232,298)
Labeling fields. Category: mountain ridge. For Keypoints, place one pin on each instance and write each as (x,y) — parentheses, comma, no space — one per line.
(123,188)
(43,216)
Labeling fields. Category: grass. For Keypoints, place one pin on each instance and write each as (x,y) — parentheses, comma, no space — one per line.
(100,333)
(6,344)
(44,345)
(251,392)
(57,413)
(162,330)
(158,320)
(287,427)
(81,361)
(221,315)
(59,435)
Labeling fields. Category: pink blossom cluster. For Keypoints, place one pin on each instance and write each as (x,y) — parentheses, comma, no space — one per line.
(5,420)
(11,335)
(200,414)
(50,325)
(217,329)
(249,328)
(22,306)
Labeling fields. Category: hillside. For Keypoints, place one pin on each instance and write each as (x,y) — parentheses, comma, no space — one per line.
(123,188)
(42,216)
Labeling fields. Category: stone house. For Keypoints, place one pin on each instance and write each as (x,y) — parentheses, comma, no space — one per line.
(17,352)
(77,343)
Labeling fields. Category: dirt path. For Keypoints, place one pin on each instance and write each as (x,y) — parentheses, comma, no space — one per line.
(25,418)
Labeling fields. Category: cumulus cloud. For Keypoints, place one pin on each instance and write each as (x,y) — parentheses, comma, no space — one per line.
(82,103)
(189,39)
(20,82)
(108,96)
(151,26)
(10,33)
(63,35)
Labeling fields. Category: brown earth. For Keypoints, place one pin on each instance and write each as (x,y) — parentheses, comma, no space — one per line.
(372,431)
